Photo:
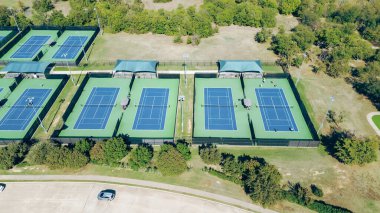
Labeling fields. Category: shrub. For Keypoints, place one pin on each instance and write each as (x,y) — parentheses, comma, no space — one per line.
(263,36)
(209,154)
(230,166)
(170,162)
(223,176)
(38,152)
(316,190)
(12,154)
(299,194)
(184,149)
(42,6)
(322,207)
(141,156)
(177,39)
(97,153)
(62,157)
(115,149)
(356,151)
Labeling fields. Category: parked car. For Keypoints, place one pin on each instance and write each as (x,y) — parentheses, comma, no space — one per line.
(2,187)
(107,194)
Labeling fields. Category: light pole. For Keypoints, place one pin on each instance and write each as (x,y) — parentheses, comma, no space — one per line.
(14,17)
(324,118)
(185,58)
(181,99)
(97,17)
(298,77)
(30,103)
(67,63)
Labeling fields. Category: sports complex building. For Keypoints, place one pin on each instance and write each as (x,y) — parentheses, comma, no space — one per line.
(239,105)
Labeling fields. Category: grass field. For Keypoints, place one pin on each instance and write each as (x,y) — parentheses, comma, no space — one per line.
(376,120)
(187,91)
(317,88)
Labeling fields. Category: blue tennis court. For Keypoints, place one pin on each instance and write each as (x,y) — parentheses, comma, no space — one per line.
(22,112)
(275,111)
(219,109)
(98,107)
(151,111)
(31,47)
(1,38)
(71,47)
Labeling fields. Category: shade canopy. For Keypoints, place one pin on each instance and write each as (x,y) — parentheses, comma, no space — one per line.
(26,67)
(136,66)
(240,66)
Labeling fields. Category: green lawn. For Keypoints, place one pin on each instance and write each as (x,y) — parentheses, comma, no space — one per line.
(376,120)
(188,91)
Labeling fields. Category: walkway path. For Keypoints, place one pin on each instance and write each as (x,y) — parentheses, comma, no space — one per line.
(370,121)
(149,184)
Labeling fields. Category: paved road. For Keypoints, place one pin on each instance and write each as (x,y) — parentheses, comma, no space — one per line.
(160,198)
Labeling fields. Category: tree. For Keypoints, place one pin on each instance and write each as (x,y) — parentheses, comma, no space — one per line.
(230,166)
(300,194)
(12,154)
(184,149)
(38,152)
(356,151)
(57,18)
(263,184)
(42,6)
(97,153)
(170,162)
(141,156)
(283,45)
(289,6)
(115,149)
(303,36)
(76,159)
(5,19)
(56,158)
(209,154)
(84,146)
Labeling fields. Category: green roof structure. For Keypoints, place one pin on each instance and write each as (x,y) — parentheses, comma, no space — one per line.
(240,66)
(241,114)
(127,122)
(26,67)
(136,66)
(256,117)
(24,85)
(69,131)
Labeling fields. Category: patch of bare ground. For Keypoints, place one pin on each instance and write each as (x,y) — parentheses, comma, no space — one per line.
(287,21)
(63,6)
(150,5)
(232,42)
(319,87)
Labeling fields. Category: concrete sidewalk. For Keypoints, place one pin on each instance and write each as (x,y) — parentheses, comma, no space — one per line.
(142,183)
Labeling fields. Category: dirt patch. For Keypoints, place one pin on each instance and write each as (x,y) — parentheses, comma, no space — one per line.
(63,6)
(288,22)
(232,42)
(150,5)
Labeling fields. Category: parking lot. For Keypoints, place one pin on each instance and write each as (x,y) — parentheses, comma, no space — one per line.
(82,197)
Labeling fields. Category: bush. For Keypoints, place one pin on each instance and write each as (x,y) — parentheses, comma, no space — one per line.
(62,157)
(12,154)
(170,162)
(141,156)
(322,207)
(316,190)
(177,39)
(97,153)
(38,152)
(115,149)
(299,194)
(263,36)
(42,6)
(184,149)
(230,166)
(209,154)
(356,151)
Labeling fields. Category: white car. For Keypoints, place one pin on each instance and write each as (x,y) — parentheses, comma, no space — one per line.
(2,187)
